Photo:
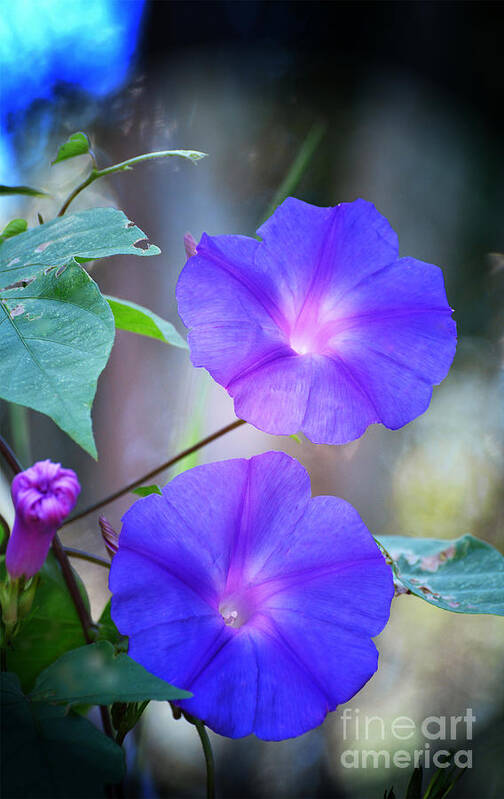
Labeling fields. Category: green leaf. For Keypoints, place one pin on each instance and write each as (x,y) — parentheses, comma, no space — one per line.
(107,631)
(76,144)
(97,675)
(414,790)
(28,190)
(144,491)
(94,233)
(51,628)
(444,779)
(464,575)
(137,319)
(13,228)
(49,753)
(57,335)
(59,329)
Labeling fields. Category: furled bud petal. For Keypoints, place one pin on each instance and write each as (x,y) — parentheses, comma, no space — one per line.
(190,245)
(110,537)
(43,496)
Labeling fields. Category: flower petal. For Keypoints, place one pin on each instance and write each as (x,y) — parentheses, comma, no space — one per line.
(337,659)
(178,651)
(277,493)
(330,568)
(403,315)
(225,692)
(234,323)
(147,594)
(338,410)
(314,250)
(289,700)
(190,528)
(273,397)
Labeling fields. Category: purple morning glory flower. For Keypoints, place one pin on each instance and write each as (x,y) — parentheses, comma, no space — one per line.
(236,585)
(43,496)
(320,327)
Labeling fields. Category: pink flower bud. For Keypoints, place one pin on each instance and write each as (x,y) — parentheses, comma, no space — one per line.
(43,496)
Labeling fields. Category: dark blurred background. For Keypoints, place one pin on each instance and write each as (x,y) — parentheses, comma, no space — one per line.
(406,101)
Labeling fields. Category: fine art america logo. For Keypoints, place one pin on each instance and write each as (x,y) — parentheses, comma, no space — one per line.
(437,740)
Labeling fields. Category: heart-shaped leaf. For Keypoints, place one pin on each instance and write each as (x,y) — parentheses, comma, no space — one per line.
(56,339)
(97,675)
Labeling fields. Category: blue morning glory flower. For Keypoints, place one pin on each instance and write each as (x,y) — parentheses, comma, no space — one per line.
(262,601)
(320,327)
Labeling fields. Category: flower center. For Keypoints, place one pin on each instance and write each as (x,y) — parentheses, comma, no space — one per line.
(312,331)
(236,609)
(302,344)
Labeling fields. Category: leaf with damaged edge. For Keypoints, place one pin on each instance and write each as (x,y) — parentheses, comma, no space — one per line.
(56,339)
(27,190)
(76,144)
(94,233)
(464,575)
(97,675)
(137,319)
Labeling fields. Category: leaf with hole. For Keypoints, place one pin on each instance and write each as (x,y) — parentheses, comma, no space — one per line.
(464,575)
(90,234)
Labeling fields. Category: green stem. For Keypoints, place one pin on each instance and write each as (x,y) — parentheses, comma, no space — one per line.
(82,555)
(73,589)
(90,179)
(298,167)
(209,758)
(10,456)
(157,470)
(192,155)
